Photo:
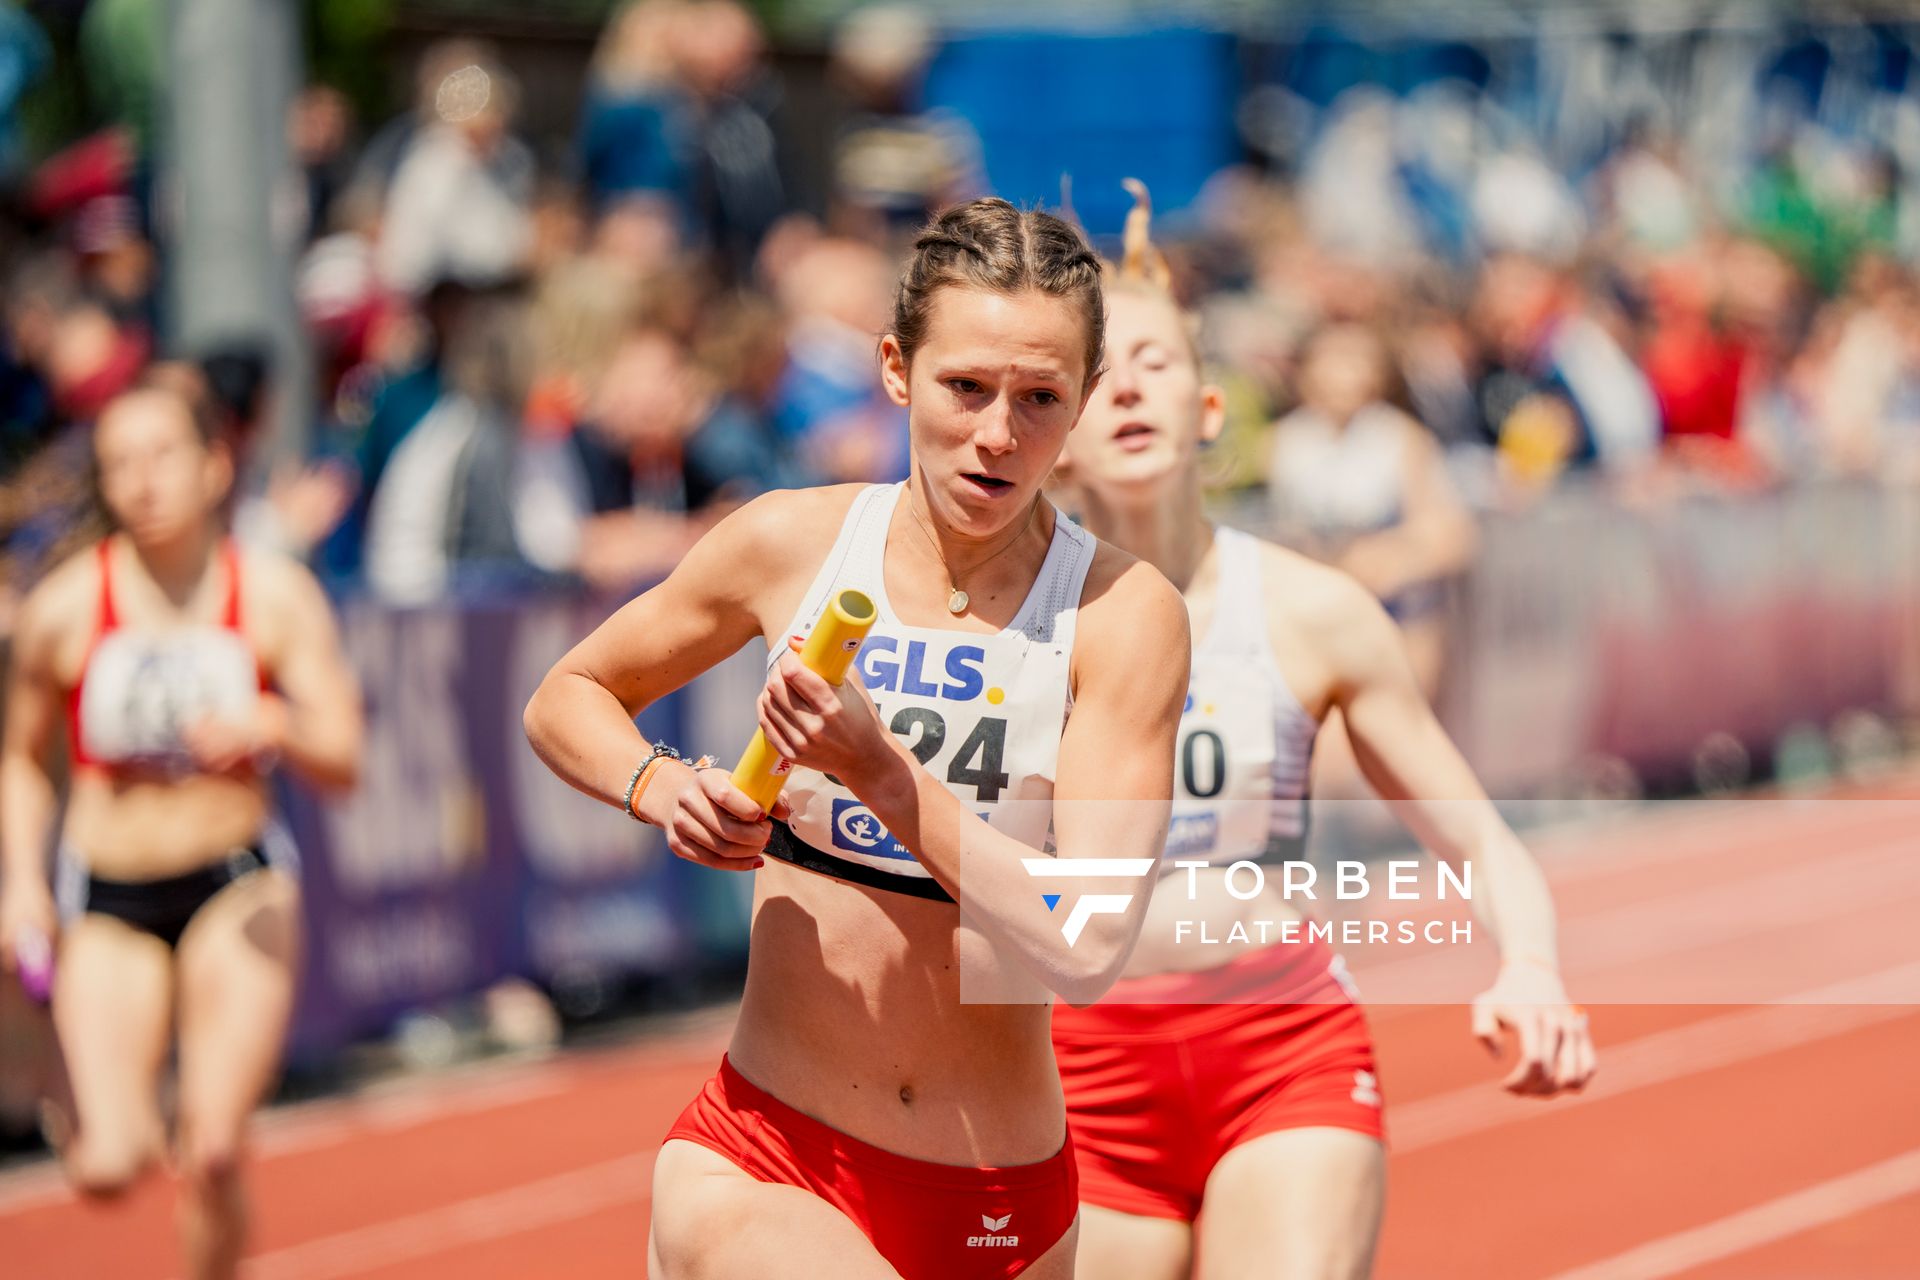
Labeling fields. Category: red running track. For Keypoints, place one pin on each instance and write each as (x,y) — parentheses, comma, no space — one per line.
(1725,1141)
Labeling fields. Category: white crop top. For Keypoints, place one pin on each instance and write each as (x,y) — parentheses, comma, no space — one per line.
(983,713)
(1246,743)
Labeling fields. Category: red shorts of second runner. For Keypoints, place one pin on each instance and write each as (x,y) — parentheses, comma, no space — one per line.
(1157,1092)
(930,1221)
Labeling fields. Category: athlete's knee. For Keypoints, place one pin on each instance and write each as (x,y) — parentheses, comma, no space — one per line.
(210,1154)
(105,1167)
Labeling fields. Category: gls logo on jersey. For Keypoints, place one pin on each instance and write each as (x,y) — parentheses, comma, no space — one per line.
(993,1240)
(942,718)
(1087,905)
(884,668)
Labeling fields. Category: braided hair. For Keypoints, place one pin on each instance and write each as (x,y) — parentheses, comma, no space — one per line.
(989,244)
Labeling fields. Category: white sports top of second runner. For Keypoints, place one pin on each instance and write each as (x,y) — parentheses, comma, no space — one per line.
(983,713)
(1246,743)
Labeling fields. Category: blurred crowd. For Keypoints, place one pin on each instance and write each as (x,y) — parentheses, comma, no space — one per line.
(541,362)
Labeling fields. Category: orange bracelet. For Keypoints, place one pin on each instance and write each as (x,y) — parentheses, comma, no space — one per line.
(640,785)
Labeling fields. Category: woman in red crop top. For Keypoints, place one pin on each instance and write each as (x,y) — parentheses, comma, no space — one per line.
(183,668)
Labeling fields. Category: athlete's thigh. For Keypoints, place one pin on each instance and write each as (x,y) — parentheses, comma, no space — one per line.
(238,967)
(1057,1263)
(1132,1246)
(1298,1204)
(711,1221)
(113,1012)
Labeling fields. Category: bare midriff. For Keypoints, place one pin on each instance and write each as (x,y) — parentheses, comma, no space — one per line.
(853,1015)
(144,827)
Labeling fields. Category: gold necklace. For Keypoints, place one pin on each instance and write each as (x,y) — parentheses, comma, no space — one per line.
(957,600)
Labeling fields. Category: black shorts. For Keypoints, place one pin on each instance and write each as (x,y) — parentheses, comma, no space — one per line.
(164,908)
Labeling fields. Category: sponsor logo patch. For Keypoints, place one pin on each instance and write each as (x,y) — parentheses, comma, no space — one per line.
(856,830)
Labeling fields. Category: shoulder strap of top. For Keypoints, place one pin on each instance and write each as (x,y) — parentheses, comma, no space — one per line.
(847,562)
(866,538)
(230,561)
(1054,606)
(1239,604)
(109,619)
(1240,600)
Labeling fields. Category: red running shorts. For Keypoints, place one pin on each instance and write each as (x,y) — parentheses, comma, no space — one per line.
(931,1221)
(1158,1090)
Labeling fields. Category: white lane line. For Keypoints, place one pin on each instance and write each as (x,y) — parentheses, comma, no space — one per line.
(306,1126)
(1780,1219)
(404,1102)
(1654,1059)
(561,1198)
(1822,895)
(32,1187)
(329,1122)
(1683,831)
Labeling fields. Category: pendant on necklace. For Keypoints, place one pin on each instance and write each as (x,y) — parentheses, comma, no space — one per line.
(957,602)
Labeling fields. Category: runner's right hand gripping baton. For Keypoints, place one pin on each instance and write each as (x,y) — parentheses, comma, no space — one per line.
(828,652)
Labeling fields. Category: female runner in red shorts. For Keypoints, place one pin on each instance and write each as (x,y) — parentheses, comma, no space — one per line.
(1238,1090)
(869,1121)
(184,667)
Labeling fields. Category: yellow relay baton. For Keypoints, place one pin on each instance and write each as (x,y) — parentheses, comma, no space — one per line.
(828,652)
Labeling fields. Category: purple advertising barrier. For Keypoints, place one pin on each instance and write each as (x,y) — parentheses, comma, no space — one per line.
(405,895)
(598,899)
(460,859)
(1589,630)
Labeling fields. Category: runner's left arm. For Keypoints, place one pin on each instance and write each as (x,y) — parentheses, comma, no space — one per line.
(1415,767)
(316,724)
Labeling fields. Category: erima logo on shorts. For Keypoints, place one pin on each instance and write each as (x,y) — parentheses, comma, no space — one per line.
(1087,905)
(993,1239)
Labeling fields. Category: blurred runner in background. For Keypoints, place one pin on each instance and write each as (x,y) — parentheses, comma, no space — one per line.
(185,669)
